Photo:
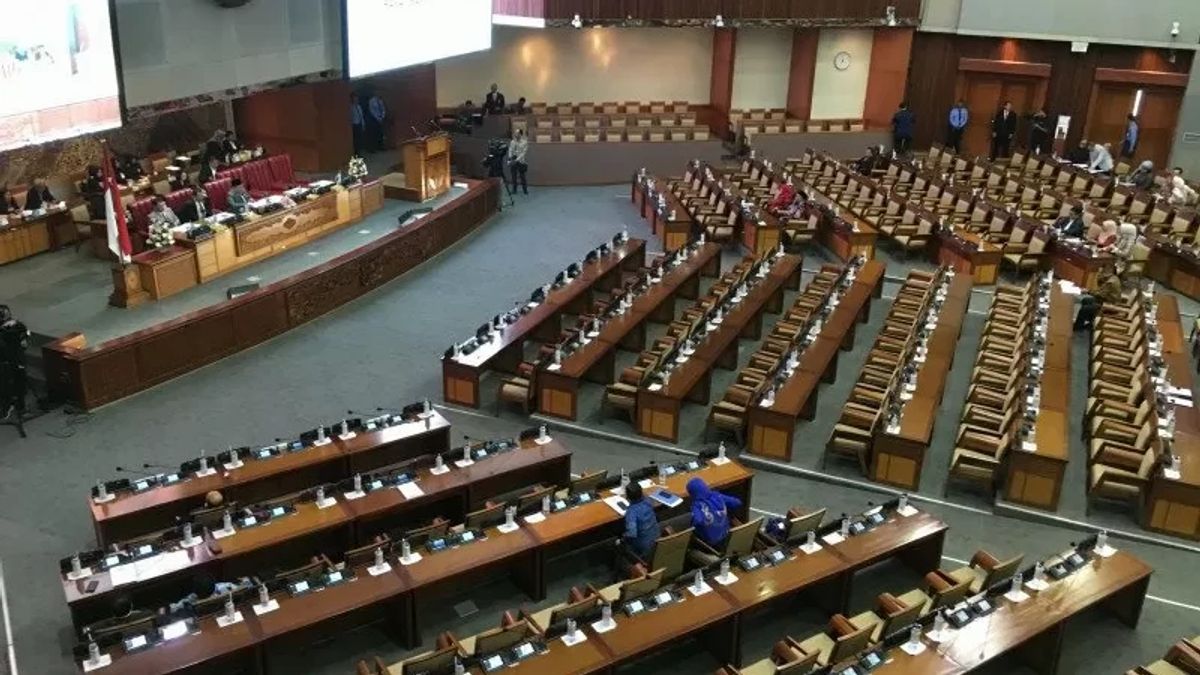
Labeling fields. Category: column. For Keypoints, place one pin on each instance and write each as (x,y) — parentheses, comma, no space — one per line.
(890,54)
(800,77)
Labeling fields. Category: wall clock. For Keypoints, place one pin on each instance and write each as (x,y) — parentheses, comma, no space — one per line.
(841,60)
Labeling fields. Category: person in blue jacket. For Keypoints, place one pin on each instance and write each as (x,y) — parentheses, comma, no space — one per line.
(710,517)
(902,129)
(641,524)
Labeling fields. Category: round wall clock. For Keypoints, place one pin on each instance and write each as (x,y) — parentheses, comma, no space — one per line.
(841,60)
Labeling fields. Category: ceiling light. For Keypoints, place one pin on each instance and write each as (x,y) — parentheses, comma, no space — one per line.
(891,16)
(719,22)
(577,22)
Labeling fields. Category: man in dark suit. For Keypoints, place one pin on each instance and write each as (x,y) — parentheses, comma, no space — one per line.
(230,145)
(1072,225)
(208,172)
(195,209)
(38,196)
(1004,127)
(494,103)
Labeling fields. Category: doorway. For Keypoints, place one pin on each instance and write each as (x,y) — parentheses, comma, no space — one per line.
(1156,109)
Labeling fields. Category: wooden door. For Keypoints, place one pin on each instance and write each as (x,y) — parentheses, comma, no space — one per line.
(1159,111)
(1158,116)
(985,93)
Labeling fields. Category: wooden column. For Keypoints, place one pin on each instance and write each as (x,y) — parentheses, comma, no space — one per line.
(888,77)
(311,122)
(721,86)
(800,77)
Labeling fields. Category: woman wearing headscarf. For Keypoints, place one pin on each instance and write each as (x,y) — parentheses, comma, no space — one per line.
(1182,194)
(1108,235)
(1127,235)
(710,517)
(1143,177)
(783,198)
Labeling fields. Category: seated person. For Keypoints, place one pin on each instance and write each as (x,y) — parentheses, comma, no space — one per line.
(238,197)
(1108,235)
(203,588)
(39,196)
(208,172)
(195,209)
(7,203)
(1082,154)
(710,517)
(783,198)
(177,179)
(1102,159)
(1181,194)
(798,208)
(641,524)
(1142,177)
(92,189)
(230,145)
(1072,225)
(1109,290)
(870,161)
(215,147)
(130,169)
(519,108)
(162,215)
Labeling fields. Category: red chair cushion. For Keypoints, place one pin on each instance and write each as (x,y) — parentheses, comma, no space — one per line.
(218,193)
(258,178)
(178,198)
(281,171)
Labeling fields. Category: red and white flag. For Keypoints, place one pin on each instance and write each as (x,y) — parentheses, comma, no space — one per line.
(114,212)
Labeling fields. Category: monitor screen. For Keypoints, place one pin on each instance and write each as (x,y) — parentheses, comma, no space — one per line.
(58,71)
(386,34)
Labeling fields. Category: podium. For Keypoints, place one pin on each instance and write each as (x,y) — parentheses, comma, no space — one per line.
(426,168)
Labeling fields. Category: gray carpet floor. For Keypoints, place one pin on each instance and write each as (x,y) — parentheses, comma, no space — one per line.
(383,350)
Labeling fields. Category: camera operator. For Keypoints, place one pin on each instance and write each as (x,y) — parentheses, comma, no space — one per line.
(516,159)
(14,338)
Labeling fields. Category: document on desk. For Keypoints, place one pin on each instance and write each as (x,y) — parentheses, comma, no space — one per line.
(666,498)
(618,504)
(410,490)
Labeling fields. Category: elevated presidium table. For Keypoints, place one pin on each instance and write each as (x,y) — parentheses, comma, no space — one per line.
(273,225)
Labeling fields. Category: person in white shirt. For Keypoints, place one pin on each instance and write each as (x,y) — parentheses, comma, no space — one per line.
(516,160)
(162,215)
(1127,235)
(1102,159)
(1182,194)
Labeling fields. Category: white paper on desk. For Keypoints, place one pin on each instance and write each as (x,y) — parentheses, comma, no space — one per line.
(601,628)
(463,463)
(913,648)
(572,640)
(223,533)
(1181,402)
(105,660)
(1016,596)
(705,588)
(535,517)
(271,606)
(410,490)
(907,511)
(351,496)
(1180,392)
(224,621)
(1037,584)
(122,574)
(646,483)
(616,504)
(1028,447)
(719,461)
(833,538)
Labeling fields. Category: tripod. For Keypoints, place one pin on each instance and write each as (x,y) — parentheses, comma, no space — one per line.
(12,395)
(496,170)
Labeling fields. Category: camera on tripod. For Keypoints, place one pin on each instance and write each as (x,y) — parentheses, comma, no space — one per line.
(497,151)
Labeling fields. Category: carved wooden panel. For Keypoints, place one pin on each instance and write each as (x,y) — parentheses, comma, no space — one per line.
(266,232)
(185,347)
(316,295)
(108,376)
(259,319)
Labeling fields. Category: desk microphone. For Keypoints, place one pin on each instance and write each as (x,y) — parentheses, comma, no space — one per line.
(148,465)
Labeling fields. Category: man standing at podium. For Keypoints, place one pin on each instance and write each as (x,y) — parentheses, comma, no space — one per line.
(516,159)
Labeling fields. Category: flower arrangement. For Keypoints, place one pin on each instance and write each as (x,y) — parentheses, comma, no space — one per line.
(357,168)
(160,235)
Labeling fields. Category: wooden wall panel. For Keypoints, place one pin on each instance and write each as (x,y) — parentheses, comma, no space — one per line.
(94,376)
(887,79)
(411,98)
(934,66)
(721,87)
(311,122)
(802,71)
(531,8)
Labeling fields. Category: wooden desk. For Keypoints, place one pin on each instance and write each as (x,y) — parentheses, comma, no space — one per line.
(189,262)
(1175,266)
(771,431)
(1035,478)
(1033,630)
(558,390)
(658,410)
(967,253)
(295,537)
(24,237)
(461,374)
(675,232)
(842,230)
(396,596)
(135,513)
(1173,506)
(898,459)
(1078,265)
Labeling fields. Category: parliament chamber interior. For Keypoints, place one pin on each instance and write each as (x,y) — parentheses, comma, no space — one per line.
(362,337)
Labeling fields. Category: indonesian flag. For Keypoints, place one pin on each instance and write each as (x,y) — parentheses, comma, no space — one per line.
(114,212)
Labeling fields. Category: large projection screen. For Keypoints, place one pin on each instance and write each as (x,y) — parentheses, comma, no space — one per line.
(387,34)
(58,70)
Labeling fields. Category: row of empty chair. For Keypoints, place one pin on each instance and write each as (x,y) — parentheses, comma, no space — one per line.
(633,134)
(1124,422)
(604,121)
(1004,406)
(876,393)
(609,108)
(779,355)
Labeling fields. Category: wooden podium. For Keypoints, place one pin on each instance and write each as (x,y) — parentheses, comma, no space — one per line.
(426,168)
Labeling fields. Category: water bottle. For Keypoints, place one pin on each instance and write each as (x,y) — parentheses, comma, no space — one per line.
(542,435)
(1102,540)
(811,539)
(405,549)
(624,479)
(725,568)
(606,614)
(379,558)
(509,514)
(844,530)
(914,635)
(264,595)
(1016,584)
(698,581)
(439,464)
(358,482)
(203,464)
(93,650)
(466,452)
(76,565)
(320,495)
(458,667)
(320,438)
(101,491)
(546,504)
(227,521)
(939,623)
(903,504)
(345,431)
(187,532)
(571,628)
(721,450)
(426,407)
(1038,571)
(230,610)
(662,475)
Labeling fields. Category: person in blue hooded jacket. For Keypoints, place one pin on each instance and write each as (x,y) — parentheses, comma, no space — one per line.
(710,517)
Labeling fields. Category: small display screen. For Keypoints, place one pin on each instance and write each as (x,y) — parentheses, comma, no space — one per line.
(585,498)
(278,511)
(663,598)
(300,587)
(468,537)
(249,521)
(112,560)
(635,606)
(493,662)
(174,630)
(144,549)
(524,650)
(135,642)
(335,577)
(141,485)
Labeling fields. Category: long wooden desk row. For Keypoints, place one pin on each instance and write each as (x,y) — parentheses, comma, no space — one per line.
(1172,506)
(674,232)
(461,371)
(558,387)
(771,429)
(718,617)
(898,458)
(659,405)
(1031,631)
(398,595)
(21,237)
(1183,658)
(715,192)
(1175,265)
(841,230)
(293,537)
(138,511)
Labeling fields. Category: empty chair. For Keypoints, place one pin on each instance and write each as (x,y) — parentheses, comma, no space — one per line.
(838,642)
(985,570)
